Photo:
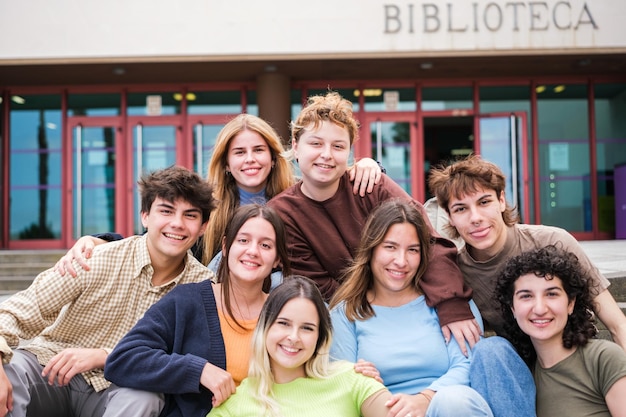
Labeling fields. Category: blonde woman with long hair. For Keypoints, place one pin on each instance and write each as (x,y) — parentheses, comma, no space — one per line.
(290,372)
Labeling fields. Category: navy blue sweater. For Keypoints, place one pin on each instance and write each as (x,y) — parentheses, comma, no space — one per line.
(168,348)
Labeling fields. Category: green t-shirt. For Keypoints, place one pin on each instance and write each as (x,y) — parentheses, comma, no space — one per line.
(340,395)
(577,386)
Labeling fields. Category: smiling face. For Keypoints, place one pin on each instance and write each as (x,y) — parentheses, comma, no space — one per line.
(292,338)
(541,308)
(173,228)
(322,155)
(249,160)
(478,219)
(253,254)
(394,264)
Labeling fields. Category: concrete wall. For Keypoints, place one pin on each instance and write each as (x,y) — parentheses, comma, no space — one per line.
(86,31)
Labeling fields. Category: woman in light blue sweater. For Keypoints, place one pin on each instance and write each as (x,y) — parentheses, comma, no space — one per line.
(380,315)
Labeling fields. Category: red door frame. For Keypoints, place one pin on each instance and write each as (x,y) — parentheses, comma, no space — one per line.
(525,183)
(122,189)
(363,148)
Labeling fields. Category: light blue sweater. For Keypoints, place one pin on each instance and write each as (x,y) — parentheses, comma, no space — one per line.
(405,344)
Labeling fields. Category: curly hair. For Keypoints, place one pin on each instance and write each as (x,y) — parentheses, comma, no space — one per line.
(548,263)
(330,107)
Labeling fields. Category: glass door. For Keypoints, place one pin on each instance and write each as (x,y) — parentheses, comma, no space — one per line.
(503,139)
(157,144)
(204,131)
(394,144)
(94,176)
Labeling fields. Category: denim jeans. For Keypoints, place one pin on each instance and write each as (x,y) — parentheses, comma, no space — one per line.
(458,400)
(503,379)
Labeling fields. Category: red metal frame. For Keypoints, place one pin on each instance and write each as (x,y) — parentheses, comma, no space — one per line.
(4,177)
(122,199)
(525,209)
(417,148)
(362,147)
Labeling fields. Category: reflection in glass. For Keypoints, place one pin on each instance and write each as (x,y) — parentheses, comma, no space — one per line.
(499,143)
(501,99)
(391,146)
(154,147)
(214,102)
(35,161)
(446,98)
(389,99)
(610,108)
(142,104)
(94,180)
(347,93)
(93,104)
(203,142)
(564,166)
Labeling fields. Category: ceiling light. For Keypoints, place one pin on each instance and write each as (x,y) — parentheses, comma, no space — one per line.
(119,71)
(369,92)
(559,88)
(188,96)
(426,65)
(18,99)
(540,89)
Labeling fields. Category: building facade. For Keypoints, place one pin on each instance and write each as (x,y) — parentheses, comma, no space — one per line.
(92,94)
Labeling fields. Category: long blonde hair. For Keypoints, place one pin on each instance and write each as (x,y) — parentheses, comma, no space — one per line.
(225,187)
(317,366)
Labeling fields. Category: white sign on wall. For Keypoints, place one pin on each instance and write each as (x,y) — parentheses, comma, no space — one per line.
(244,30)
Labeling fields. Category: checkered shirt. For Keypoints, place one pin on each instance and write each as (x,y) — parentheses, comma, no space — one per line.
(94,310)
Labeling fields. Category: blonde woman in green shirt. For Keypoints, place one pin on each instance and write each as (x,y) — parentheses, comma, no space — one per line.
(290,369)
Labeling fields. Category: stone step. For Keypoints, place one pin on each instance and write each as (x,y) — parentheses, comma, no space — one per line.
(18,268)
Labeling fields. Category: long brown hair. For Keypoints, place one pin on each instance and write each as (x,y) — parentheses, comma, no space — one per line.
(359,278)
(241,216)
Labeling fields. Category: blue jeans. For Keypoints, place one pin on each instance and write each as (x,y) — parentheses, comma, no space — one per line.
(458,400)
(503,379)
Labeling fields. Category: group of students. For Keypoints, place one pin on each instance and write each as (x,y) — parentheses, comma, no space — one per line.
(370,314)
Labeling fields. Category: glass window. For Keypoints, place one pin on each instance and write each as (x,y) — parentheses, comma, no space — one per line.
(2,121)
(94,104)
(35,167)
(154,103)
(446,98)
(252,105)
(296,103)
(214,102)
(509,99)
(347,93)
(610,108)
(564,166)
(389,99)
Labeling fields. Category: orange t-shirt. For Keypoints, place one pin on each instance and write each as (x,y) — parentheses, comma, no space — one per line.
(238,344)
